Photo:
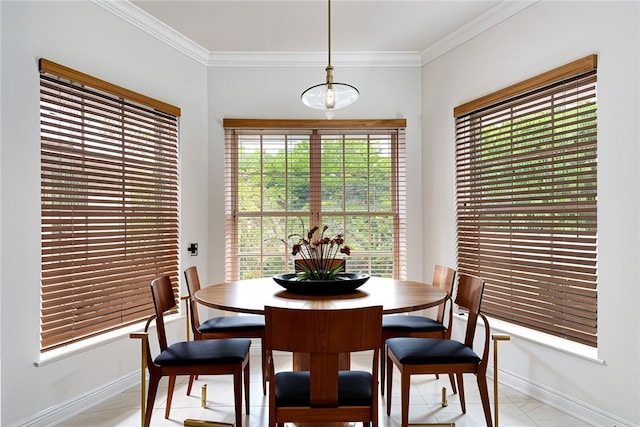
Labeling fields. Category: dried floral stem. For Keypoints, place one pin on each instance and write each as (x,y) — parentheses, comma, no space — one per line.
(318,255)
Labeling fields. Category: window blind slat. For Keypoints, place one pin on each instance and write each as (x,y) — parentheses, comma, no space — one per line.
(109,194)
(526,170)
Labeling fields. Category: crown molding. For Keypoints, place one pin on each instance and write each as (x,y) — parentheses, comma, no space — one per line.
(304,59)
(152,26)
(482,23)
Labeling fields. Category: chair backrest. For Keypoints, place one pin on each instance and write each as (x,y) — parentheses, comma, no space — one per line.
(443,278)
(469,297)
(193,286)
(163,300)
(324,334)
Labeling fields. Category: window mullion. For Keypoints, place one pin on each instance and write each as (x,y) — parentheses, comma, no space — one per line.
(315,179)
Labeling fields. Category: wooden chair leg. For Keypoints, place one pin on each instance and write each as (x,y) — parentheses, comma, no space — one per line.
(382,367)
(461,387)
(151,397)
(264,367)
(389,383)
(191,378)
(405,385)
(172,384)
(484,397)
(452,380)
(247,379)
(237,393)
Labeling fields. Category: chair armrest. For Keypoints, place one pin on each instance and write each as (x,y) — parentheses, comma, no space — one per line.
(187,317)
(449,325)
(144,342)
(487,338)
(139,335)
(144,346)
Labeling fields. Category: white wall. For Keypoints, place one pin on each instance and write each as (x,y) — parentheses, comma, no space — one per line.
(548,34)
(83,36)
(542,37)
(274,92)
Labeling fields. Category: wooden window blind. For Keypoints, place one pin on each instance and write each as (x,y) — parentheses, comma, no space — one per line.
(285,176)
(109,189)
(526,175)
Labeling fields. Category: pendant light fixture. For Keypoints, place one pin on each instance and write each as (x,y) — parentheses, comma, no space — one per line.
(330,95)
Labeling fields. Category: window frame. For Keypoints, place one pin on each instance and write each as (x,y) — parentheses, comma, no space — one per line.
(316,130)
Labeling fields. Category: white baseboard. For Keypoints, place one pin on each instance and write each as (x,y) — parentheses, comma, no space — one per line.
(66,410)
(580,410)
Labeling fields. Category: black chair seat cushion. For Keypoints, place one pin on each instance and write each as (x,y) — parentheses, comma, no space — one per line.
(411,324)
(232,323)
(431,351)
(354,388)
(204,352)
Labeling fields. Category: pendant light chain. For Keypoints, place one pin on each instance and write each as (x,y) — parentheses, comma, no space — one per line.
(329,69)
(329,34)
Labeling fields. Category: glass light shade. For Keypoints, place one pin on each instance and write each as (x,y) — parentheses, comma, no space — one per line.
(330,96)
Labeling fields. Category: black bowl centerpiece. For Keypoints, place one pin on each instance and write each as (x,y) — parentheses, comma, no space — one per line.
(342,283)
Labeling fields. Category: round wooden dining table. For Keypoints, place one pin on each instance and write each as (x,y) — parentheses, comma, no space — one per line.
(251,296)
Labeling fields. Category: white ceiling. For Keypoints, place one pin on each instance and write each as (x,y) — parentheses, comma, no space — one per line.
(301,25)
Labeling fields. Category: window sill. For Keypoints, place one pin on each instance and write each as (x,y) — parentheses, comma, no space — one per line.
(94,342)
(540,338)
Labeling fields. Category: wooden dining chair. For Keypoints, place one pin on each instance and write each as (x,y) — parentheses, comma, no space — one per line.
(399,325)
(245,326)
(324,393)
(201,357)
(444,356)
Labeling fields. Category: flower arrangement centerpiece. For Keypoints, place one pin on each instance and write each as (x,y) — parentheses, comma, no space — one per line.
(319,264)
(318,254)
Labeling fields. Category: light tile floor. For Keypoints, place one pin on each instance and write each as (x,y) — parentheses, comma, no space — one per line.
(516,409)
